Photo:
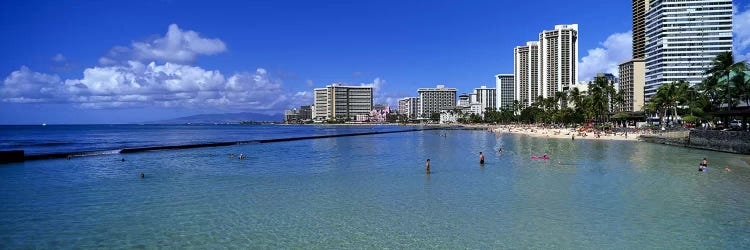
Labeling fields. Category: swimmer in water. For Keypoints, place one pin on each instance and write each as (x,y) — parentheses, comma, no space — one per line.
(481,158)
(427,167)
(123,159)
(703,166)
(143,176)
(727,170)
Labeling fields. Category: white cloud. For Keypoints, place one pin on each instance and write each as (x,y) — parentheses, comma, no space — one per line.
(156,73)
(379,95)
(161,85)
(24,86)
(616,49)
(58,58)
(177,46)
(741,29)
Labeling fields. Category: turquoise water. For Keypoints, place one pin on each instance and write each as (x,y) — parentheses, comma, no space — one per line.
(371,192)
(103,138)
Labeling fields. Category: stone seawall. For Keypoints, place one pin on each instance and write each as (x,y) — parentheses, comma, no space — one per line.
(725,141)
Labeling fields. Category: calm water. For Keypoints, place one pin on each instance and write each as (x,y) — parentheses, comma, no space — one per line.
(36,139)
(371,192)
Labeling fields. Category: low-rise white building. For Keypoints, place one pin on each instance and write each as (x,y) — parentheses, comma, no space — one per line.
(448,116)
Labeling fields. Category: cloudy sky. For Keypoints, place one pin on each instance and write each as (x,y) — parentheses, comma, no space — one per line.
(134,61)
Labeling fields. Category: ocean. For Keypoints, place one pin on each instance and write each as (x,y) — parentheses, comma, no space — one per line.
(371,192)
(98,139)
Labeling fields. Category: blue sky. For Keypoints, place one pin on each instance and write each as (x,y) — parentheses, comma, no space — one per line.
(134,61)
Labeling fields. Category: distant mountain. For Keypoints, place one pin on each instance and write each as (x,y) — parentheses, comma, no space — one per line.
(224,118)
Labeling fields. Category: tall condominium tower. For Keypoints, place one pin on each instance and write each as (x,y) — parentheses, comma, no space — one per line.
(431,100)
(633,72)
(682,37)
(558,58)
(338,102)
(526,73)
(505,91)
(640,7)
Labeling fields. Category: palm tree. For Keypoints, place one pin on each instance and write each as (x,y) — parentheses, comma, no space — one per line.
(618,100)
(681,94)
(657,105)
(723,65)
(561,98)
(711,89)
(550,103)
(668,96)
(576,98)
(741,87)
(516,107)
(599,93)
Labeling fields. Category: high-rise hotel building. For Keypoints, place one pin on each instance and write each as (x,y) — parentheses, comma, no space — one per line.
(545,67)
(526,73)
(682,37)
(633,72)
(505,91)
(338,102)
(432,100)
(640,7)
(632,78)
(558,58)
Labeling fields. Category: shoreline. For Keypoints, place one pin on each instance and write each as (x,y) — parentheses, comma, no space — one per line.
(559,133)
(518,129)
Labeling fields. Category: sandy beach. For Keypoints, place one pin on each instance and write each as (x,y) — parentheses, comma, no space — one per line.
(562,133)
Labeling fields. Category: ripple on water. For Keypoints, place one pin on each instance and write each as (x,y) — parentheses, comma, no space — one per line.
(371,192)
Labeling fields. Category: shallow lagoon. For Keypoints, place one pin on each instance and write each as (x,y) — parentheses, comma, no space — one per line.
(371,192)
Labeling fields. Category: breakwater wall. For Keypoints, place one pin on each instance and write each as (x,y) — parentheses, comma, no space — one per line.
(725,141)
(18,155)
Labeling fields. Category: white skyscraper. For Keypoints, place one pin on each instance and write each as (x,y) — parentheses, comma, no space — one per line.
(505,91)
(545,67)
(558,58)
(526,73)
(682,37)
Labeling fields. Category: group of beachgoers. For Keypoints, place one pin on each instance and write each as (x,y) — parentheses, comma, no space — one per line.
(584,132)
(703,166)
